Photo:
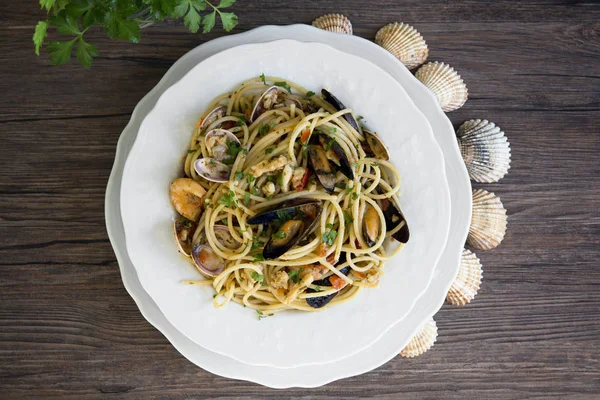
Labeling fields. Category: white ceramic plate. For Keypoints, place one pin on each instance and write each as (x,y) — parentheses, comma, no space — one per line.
(388,346)
(281,341)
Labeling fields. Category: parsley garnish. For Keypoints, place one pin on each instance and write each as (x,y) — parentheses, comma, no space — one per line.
(279,235)
(264,129)
(359,117)
(228,199)
(318,289)
(348,218)
(255,191)
(354,196)
(239,176)
(262,78)
(283,85)
(332,131)
(241,121)
(329,144)
(355,165)
(250,178)
(233,148)
(269,150)
(256,276)
(330,235)
(262,315)
(258,258)
(256,243)
(191,151)
(341,185)
(282,217)
(310,93)
(247,199)
(294,275)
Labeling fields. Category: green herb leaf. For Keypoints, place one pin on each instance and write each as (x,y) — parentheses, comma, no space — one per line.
(208,22)
(125,29)
(329,236)
(283,85)
(191,151)
(329,144)
(294,274)
(250,178)
(47,4)
(229,20)
(247,199)
(256,276)
(310,93)
(262,315)
(60,52)
(228,199)
(354,196)
(239,176)
(258,258)
(233,148)
(225,3)
(341,185)
(241,121)
(359,117)
(318,289)
(279,235)
(40,35)
(269,150)
(347,218)
(264,129)
(256,243)
(85,52)
(262,78)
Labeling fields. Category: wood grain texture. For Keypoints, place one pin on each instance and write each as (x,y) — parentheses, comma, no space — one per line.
(68,328)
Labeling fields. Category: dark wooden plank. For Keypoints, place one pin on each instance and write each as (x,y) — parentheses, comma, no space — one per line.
(68,329)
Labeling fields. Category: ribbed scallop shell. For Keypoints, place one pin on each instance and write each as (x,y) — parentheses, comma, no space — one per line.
(334,23)
(465,286)
(404,42)
(422,341)
(488,220)
(485,150)
(445,83)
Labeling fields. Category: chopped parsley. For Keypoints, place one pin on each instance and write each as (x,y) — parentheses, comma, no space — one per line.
(262,78)
(241,121)
(228,199)
(256,243)
(341,185)
(329,144)
(192,151)
(239,176)
(354,196)
(279,235)
(233,148)
(310,93)
(355,165)
(258,258)
(264,129)
(318,289)
(283,85)
(348,218)
(214,295)
(359,118)
(269,150)
(255,191)
(247,199)
(250,178)
(330,235)
(282,217)
(262,315)
(294,275)
(256,276)
(332,131)
(270,178)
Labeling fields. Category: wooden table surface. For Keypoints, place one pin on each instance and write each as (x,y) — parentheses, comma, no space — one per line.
(68,328)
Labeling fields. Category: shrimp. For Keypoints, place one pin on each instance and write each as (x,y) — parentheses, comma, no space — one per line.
(186,196)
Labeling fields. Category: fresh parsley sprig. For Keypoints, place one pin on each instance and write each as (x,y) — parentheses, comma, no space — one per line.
(120,20)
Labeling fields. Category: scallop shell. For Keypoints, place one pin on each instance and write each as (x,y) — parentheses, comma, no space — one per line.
(485,150)
(445,83)
(422,341)
(334,23)
(404,42)
(466,284)
(488,220)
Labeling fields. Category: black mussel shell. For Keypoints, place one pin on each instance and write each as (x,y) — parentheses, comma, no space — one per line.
(318,302)
(317,158)
(344,165)
(289,208)
(294,231)
(338,105)
(374,147)
(393,216)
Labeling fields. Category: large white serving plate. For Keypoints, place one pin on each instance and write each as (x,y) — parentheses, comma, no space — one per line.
(390,343)
(282,341)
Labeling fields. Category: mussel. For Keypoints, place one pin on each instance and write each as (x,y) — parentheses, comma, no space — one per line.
(336,154)
(393,216)
(338,105)
(374,147)
(218,112)
(371,225)
(322,301)
(293,220)
(212,170)
(184,232)
(319,163)
(219,143)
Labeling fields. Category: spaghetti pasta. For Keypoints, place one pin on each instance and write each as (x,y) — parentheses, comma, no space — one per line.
(294,198)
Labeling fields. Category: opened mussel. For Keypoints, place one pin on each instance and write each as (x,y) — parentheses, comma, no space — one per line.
(293,220)
(371,225)
(317,158)
(393,217)
(218,112)
(335,153)
(374,147)
(325,155)
(338,105)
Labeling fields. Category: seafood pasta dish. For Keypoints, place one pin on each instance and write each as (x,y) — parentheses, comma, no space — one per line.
(287,201)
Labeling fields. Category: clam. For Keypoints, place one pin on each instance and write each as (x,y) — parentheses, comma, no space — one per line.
(207,261)
(466,285)
(335,153)
(334,23)
(404,42)
(374,147)
(393,216)
(485,150)
(445,83)
(488,221)
(186,196)
(212,116)
(212,170)
(218,141)
(422,341)
(297,219)
(267,101)
(338,105)
(317,158)
(371,225)
(184,232)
